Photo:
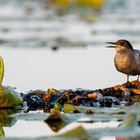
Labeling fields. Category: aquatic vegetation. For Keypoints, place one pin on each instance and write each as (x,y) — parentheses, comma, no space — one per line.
(1,132)
(129,127)
(91,3)
(6,120)
(84,3)
(63,107)
(1,69)
(76,105)
(9,98)
(71,101)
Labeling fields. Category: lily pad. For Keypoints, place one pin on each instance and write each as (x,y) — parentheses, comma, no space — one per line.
(9,98)
(5,120)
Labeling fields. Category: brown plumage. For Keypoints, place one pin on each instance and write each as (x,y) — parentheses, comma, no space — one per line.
(127,59)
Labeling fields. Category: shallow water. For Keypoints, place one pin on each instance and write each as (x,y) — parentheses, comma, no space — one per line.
(82,60)
(28,24)
(30,69)
(90,68)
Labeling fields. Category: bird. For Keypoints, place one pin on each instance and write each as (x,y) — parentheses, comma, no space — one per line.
(127,59)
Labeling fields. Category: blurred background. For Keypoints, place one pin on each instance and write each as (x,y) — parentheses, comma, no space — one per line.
(61,43)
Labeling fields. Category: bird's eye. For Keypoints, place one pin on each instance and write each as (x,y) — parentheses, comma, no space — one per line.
(122,44)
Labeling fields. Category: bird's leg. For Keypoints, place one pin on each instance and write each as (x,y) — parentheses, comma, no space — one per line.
(127,78)
(138,78)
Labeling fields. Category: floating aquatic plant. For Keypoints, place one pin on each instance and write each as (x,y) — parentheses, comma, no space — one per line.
(8,96)
(62,107)
(128,128)
(78,100)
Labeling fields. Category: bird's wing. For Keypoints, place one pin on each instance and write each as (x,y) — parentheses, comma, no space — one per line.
(137,57)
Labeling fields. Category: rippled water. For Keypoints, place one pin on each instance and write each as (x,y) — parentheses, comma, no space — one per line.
(29,24)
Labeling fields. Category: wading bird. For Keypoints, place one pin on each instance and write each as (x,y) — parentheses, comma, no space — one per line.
(127,59)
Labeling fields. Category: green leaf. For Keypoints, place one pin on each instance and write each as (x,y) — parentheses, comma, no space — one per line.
(9,97)
(130,121)
(2,132)
(55,121)
(57,106)
(52,91)
(70,108)
(55,116)
(128,129)
(1,69)
(5,120)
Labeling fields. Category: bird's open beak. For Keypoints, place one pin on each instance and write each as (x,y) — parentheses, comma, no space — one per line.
(114,45)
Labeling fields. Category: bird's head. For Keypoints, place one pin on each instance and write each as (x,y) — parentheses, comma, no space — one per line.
(120,45)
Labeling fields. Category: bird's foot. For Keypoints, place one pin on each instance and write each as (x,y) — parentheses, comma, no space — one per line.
(135,82)
(127,84)
(120,87)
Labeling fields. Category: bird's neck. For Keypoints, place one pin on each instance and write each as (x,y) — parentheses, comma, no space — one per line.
(124,52)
